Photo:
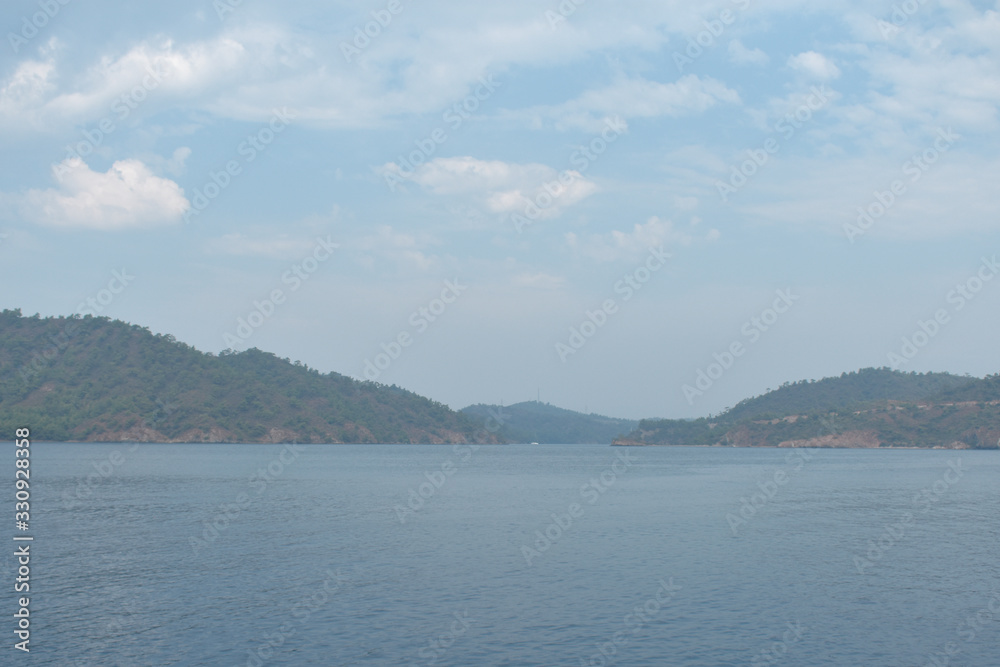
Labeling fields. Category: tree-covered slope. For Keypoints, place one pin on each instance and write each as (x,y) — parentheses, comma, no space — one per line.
(868,408)
(532,421)
(850,391)
(986,389)
(93,379)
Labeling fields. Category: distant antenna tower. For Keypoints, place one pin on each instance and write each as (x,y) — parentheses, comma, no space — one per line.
(538,398)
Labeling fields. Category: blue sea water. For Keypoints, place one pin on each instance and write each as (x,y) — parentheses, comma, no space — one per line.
(655,556)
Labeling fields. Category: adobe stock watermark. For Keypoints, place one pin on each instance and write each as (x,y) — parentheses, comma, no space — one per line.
(740,175)
(967,631)
(42,358)
(298,614)
(591,492)
(249,149)
(752,330)
(294,277)
(883,200)
(438,646)
(581,159)
(959,297)
(259,482)
(396,173)
(364,35)
(565,9)
(93,305)
(778,650)
(436,479)
(750,505)
(31,27)
(421,319)
(127,620)
(892,534)
(225,7)
(901,14)
(795,461)
(708,38)
(109,465)
(634,621)
(103,470)
(121,109)
(595,320)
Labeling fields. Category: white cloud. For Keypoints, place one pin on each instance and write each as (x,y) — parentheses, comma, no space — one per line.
(637,98)
(542,281)
(461,175)
(423,67)
(400,248)
(281,246)
(741,55)
(502,187)
(27,87)
(814,65)
(127,196)
(618,245)
(686,203)
(115,87)
(928,86)
(953,197)
(940,69)
(174,165)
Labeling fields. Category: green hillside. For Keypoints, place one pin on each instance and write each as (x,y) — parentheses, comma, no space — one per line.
(93,379)
(850,391)
(532,421)
(986,389)
(868,408)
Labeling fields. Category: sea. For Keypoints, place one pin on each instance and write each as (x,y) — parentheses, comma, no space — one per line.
(253,555)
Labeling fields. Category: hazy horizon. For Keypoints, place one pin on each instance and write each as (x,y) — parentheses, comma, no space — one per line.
(588,203)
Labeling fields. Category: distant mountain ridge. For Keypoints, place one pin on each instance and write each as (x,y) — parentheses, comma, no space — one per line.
(532,421)
(94,379)
(867,408)
(847,392)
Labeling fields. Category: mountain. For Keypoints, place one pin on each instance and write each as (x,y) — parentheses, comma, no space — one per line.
(845,393)
(984,390)
(532,421)
(94,379)
(868,408)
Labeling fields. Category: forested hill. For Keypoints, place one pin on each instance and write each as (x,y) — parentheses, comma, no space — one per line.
(847,392)
(94,379)
(532,421)
(987,389)
(868,408)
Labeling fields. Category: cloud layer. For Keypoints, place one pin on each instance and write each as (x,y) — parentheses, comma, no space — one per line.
(127,196)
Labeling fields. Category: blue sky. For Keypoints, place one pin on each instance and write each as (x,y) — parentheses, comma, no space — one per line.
(478,192)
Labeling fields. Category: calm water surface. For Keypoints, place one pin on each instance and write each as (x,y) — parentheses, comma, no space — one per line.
(677,556)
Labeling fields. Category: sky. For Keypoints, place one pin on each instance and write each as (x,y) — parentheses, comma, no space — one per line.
(640,209)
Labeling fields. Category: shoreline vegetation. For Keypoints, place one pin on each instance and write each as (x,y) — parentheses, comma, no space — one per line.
(92,379)
(802,444)
(868,409)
